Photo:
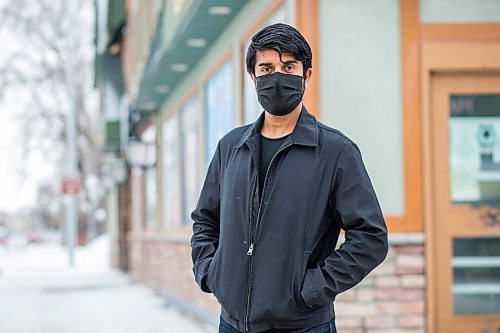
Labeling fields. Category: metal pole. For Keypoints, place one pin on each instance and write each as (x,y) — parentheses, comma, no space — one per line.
(91,223)
(71,148)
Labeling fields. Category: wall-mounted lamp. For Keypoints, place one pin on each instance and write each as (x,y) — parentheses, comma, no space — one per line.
(141,154)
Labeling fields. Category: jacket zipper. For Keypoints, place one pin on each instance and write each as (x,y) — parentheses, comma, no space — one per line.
(253,236)
(249,259)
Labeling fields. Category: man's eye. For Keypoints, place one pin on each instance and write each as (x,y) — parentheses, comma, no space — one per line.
(289,67)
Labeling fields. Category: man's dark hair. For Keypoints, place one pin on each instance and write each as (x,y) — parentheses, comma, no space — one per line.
(283,39)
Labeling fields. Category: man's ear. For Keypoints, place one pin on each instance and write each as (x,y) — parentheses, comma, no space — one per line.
(307,76)
(252,76)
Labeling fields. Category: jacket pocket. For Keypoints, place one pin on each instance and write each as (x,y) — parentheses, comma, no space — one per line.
(210,279)
(315,292)
(301,304)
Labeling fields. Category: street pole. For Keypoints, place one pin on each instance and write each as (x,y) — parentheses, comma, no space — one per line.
(91,223)
(71,214)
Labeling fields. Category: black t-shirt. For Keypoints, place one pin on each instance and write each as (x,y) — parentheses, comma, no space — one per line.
(268,147)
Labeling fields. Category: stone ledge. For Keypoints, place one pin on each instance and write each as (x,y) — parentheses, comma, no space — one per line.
(416,238)
(176,236)
(184,236)
(189,309)
(399,238)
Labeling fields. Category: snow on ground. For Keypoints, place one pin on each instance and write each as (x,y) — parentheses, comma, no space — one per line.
(19,259)
(40,293)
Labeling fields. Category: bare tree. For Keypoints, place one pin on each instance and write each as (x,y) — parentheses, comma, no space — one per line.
(34,63)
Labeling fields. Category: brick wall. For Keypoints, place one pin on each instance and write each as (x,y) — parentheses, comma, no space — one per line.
(391,299)
(164,263)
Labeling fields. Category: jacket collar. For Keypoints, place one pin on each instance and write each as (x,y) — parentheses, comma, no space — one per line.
(305,132)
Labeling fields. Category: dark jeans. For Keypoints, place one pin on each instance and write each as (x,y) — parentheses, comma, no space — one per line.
(324,328)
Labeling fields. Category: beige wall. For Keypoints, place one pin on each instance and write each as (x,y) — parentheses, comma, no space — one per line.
(459,11)
(360,66)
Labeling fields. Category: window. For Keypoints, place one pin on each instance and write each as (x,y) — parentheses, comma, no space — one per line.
(151,198)
(171,177)
(219,102)
(137,198)
(191,159)
(149,135)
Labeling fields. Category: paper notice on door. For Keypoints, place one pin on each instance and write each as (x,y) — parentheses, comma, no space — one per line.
(474,159)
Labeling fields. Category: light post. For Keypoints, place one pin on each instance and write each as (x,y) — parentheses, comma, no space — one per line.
(95,192)
(72,177)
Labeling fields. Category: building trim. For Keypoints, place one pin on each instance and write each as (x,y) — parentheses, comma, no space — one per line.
(461,32)
(307,22)
(411,220)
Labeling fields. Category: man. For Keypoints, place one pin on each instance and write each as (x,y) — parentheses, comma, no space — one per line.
(275,197)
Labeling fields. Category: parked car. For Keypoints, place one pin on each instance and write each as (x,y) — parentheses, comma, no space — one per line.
(33,238)
(4,236)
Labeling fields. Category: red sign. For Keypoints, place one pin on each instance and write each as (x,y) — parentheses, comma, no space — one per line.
(71,185)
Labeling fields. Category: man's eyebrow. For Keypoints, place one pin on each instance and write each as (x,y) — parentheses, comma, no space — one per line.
(263,64)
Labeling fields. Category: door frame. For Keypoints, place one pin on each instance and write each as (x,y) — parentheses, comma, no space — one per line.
(444,57)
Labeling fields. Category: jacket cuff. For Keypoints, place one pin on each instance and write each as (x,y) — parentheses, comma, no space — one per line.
(200,274)
(310,289)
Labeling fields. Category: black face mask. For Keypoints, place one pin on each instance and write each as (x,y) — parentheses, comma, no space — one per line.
(279,94)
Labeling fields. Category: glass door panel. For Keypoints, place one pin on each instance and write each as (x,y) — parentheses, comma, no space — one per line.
(474,126)
(476,275)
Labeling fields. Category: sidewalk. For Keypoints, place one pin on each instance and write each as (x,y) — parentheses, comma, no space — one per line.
(40,293)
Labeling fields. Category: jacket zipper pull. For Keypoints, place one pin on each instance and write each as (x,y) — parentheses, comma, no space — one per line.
(250,250)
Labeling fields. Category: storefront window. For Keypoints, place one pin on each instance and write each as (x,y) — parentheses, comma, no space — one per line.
(219,104)
(137,198)
(150,194)
(171,176)
(190,125)
(151,198)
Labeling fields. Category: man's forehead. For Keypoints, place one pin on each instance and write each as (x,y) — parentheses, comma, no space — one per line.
(273,56)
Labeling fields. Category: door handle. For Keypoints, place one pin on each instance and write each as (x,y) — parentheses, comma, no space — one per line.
(490,216)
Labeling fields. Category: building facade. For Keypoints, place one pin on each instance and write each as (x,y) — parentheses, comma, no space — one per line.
(415,83)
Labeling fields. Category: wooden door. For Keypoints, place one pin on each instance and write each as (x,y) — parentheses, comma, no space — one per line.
(465,161)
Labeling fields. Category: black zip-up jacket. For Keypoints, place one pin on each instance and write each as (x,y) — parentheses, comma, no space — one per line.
(271,261)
